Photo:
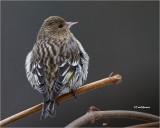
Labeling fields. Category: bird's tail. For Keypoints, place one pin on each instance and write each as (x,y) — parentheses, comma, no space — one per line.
(52,109)
(48,109)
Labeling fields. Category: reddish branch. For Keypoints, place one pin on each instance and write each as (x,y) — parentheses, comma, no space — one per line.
(95,115)
(116,79)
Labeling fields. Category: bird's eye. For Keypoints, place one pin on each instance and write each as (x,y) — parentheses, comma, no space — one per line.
(60,26)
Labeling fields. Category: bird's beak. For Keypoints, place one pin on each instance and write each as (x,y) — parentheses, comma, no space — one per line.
(70,24)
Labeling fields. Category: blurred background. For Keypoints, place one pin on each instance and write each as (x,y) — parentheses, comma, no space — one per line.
(120,37)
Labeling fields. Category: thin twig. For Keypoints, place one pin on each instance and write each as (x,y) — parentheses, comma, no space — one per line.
(153,124)
(95,115)
(116,79)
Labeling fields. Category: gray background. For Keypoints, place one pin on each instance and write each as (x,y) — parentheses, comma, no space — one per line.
(120,37)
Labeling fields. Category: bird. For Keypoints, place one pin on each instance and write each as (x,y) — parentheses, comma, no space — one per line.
(57,63)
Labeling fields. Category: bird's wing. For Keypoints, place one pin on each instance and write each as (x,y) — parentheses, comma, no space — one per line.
(38,73)
(70,56)
(35,75)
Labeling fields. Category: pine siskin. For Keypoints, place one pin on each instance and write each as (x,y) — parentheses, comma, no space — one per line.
(57,64)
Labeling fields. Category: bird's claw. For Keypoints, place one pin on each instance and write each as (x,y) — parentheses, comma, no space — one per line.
(74,94)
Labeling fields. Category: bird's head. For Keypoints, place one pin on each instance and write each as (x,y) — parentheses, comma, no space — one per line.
(56,26)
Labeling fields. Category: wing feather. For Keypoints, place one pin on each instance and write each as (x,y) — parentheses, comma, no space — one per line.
(67,69)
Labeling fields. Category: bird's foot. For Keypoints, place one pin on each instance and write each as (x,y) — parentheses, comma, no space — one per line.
(74,94)
(57,102)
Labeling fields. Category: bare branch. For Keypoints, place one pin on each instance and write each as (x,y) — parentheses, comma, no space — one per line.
(116,79)
(154,124)
(95,115)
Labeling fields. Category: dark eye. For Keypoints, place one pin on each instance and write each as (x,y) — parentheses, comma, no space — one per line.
(60,26)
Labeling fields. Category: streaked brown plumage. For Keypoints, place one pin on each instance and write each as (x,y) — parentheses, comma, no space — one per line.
(57,63)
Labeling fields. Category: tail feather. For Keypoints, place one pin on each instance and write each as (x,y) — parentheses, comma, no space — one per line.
(44,110)
(48,109)
(43,115)
(52,109)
